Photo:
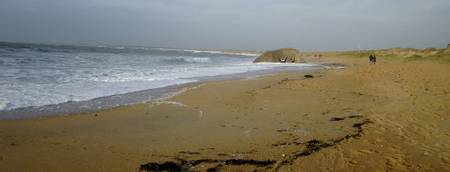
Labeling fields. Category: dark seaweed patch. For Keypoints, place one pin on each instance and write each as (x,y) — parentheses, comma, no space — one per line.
(311,147)
(249,162)
(214,169)
(359,125)
(342,118)
(282,130)
(184,165)
(315,145)
(308,76)
(336,119)
(166,166)
(190,153)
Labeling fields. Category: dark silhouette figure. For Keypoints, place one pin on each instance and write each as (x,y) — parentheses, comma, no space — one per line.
(372,59)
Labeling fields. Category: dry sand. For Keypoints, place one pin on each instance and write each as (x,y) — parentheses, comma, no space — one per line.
(392,116)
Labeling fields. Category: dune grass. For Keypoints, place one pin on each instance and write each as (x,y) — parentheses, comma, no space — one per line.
(394,54)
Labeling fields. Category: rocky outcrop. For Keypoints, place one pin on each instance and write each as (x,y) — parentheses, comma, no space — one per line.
(285,55)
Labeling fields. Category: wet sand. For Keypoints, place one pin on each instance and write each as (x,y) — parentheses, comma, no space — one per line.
(392,116)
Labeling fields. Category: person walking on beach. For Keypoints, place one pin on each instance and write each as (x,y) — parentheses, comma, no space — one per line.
(372,59)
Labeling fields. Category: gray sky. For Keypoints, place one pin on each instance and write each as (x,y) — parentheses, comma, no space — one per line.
(233,24)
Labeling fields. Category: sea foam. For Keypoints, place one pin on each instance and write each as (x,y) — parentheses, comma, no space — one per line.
(37,75)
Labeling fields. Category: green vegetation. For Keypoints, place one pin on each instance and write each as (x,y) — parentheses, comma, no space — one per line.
(394,54)
(441,55)
(413,58)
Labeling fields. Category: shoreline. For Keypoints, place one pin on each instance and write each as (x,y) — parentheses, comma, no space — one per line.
(137,97)
(388,116)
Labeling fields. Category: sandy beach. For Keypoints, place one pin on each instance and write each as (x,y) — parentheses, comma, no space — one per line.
(392,116)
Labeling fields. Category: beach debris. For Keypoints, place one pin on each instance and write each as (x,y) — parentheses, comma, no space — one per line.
(342,118)
(184,165)
(316,145)
(355,116)
(308,76)
(310,147)
(214,169)
(282,130)
(189,152)
(337,119)
(167,166)
(359,125)
(313,146)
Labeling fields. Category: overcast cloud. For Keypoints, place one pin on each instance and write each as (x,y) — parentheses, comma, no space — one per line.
(235,24)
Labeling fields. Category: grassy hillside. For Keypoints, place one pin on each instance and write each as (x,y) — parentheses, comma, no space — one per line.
(402,54)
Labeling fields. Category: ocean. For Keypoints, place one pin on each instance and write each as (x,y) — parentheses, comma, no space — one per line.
(39,80)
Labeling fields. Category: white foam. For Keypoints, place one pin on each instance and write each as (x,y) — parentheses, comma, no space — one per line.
(36,79)
(3,104)
(224,52)
(195,59)
(210,52)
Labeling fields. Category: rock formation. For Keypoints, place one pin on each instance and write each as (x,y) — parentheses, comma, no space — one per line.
(285,55)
